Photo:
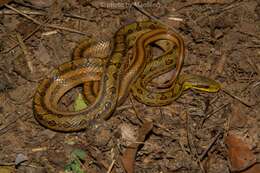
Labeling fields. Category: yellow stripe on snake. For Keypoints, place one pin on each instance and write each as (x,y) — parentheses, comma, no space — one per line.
(115,76)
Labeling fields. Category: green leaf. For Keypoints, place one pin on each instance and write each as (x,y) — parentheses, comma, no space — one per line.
(78,153)
(74,166)
(79,103)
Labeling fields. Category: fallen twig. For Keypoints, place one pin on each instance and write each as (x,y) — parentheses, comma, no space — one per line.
(47,25)
(25,38)
(38,13)
(143,11)
(212,113)
(210,146)
(199,2)
(111,166)
(237,98)
(25,53)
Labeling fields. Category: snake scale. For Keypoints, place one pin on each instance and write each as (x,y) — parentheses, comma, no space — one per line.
(113,80)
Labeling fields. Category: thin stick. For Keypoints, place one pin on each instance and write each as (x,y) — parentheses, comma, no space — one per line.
(37,13)
(47,25)
(143,11)
(27,37)
(210,146)
(29,12)
(135,110)
(9,126)
(236,97)
(111,166)
(196,2)
(25,52)
(191,142)
(212,113)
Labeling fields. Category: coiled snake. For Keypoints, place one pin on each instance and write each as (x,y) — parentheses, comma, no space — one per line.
(113,81)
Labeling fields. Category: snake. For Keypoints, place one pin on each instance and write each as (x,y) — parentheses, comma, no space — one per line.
(114,81)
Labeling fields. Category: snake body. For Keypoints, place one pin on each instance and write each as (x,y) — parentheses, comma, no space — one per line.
(114,81)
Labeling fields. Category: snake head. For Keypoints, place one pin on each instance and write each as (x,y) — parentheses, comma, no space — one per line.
(198,82)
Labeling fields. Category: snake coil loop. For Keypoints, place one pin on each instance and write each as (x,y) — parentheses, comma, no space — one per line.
(107,82)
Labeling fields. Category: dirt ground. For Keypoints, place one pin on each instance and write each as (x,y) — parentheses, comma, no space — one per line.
(199,132)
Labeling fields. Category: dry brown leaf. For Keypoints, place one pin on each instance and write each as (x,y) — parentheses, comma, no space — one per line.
(238,120)
(128,158)
(240,156)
